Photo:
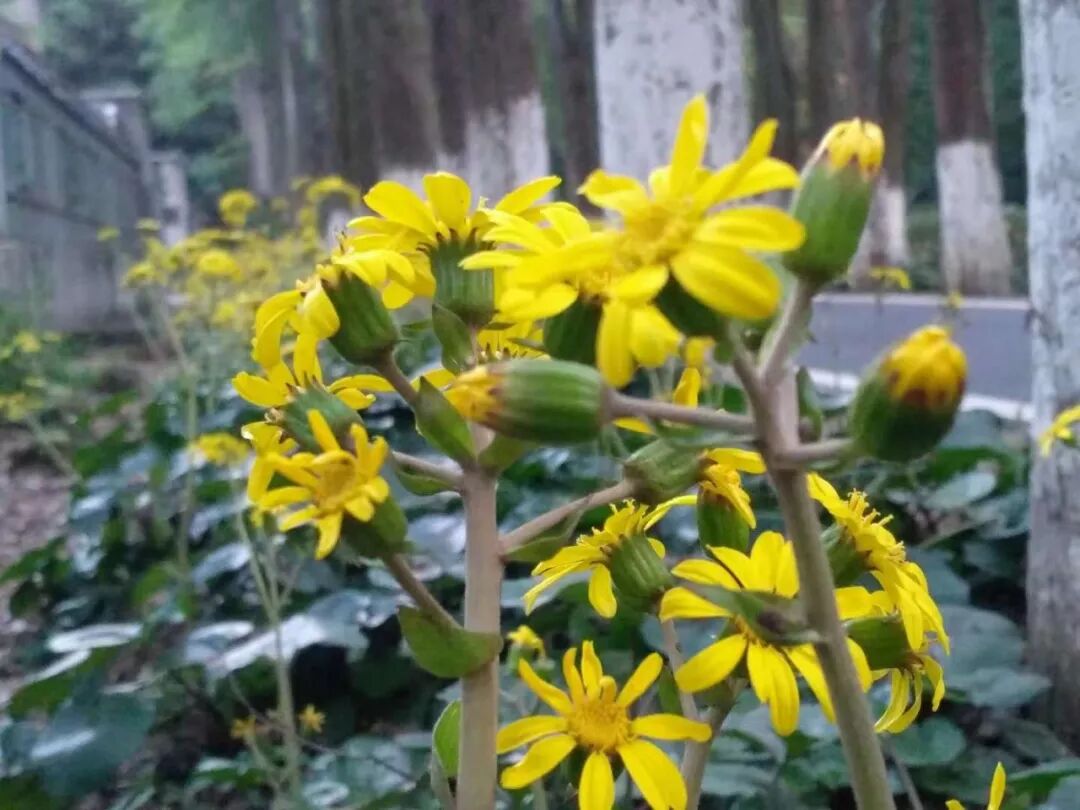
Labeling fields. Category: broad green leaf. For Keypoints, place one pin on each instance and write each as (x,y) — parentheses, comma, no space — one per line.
(443,649)
(453,335)
(48,688)
(223,560)
(440,423)
(503,451)
(734,780)
(446,737)
(935,741)
(25,792)
(1034,740)
(962,490)
(1041,779)
(418,483)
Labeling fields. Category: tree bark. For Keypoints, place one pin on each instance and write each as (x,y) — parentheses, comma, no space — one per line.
(652,56)
(251,106)
(774,78)
(572,23)
(287,13)
(976,257)
(839,56)
(505,134)
(448,48)
(1051,29)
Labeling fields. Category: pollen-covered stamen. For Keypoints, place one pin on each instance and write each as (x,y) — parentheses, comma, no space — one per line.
(597,722)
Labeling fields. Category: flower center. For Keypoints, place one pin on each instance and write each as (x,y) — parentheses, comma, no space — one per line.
(658,231)
(599,723)
(338,477)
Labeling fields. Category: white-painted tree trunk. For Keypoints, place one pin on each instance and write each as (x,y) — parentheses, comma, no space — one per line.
(506,146)
(975,252)
(652,56)
(890,225)
(1051,31)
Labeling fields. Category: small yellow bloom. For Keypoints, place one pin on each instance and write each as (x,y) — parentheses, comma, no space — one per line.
(926,369)
(855,142)
(147,225)
(525,639)
(1060,430)
(108,234)
(311,719)
(222,449)
(244,728)
(331,484)
(235,206)
(472,393)
(18,405)
(267,441)
(279,386)
(769,568)
(26,342)
(218,263)
(332,185)
(721,478)
(892,276)
(997,792)
(594,715)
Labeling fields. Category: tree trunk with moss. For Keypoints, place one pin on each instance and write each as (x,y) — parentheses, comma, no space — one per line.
(652,56)
(975,253)
(1051,30)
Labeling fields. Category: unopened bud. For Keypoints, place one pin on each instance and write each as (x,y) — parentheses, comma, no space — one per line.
(293,416)
(662,470)
(908,400)
(720,524)
(833,199)
(469,294)
(367,331)
(638,571)
(549,401)
(571,335)
(882,638)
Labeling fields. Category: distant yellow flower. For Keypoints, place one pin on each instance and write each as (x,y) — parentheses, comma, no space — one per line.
(25,342)
(1060,430)
(244,728)
(141,273)
(721,479)
(236,205)
(770,569)
(311,719)
(997,792)
(525,639)
(892,276)
(268,442)
(331,484)
(18,405)
(687,391)
(217,263)
(591,553)
(331,185)
(222,449)
(108,234)
(595,717)
(147,225)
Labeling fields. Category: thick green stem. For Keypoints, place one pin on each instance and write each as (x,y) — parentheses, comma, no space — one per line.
(480,689)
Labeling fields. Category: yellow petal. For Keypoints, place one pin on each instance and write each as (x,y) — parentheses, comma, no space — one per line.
(953,804)
(539,760)
(321,429)
(711,665)
(729,281)
(642,678)
(613,191)
(572,676)
(774,683)
(613,357)
(689,149)
(997,788)
(283,496)
(759,228)
(450,197)
(266,348)
(652,337)
(681,603)
(806,661)
(601,593)
(399,204)
(748,461)
(596,790)
(527,195)
(553,576)
(329,532)
(705,572)
(526,305)
(526,730)
(739,565)
(899,692)
(639,286)
(591,669)
(259,480)
(551,695)
(688,389)
(654,774)
(258,390)
(670,727)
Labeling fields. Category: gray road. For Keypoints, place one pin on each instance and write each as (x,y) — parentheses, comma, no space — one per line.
(849,329)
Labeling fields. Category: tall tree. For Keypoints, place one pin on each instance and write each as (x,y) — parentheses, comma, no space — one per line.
(651,57)
(976,257)
(839,62)
(505,135)
(890,244)
(572,25)
(448,50)
(775,92)
(1051,29)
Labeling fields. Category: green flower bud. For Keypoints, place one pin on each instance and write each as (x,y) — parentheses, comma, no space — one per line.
(548,401)
(469,294)
(907,402)
(571,335)
(720,524)
(883,639)
(844,559)
(661,470)
(367,332)
(833,200)
(638,571)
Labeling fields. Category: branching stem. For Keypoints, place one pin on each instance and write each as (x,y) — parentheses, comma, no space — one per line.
(540,524)
(623,405)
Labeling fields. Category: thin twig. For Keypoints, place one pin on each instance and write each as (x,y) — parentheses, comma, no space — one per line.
(675,661)
(793,320)
(399,568)
(622,405)
(538,525)
(905,777)
(804,455)
(451,476)
(389,368)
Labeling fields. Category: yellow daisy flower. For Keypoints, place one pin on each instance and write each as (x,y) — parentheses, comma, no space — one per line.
(1060,430)
(721,479)
(222,449)
(267,441)
(236,205)
(594,715)
(592,553)
(280,384)
(771,666)
(311,719)
(997,792)
(880,553)
(244,728)
(330,484)
(525,639)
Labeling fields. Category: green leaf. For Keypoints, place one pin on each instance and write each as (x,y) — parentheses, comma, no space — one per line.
(446,737)
(962,490)
(1041,779)
(809,403)
(443,649)
(503,451)
(24,792)
(546,544)
(936,741)
(453,336)
(735,780)
(1001,688)
(418,483)
(439,422)
(48,688)
(1034,740)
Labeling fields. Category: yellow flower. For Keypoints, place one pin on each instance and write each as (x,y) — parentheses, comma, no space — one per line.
(268,441)
(311,719)
(280,385)
(18,406)
(218,263)
(591,553)
(221,448)
(926,369)
(885,558)
(997,792)
(143,272)
(892,276)
(330,484)
(1060,430)
(244,728)
(26,342)
(108,234)
(329,186)
(595,717)
(235,206)
(721,478)
(148,225)
(525,639)
(687,391)
(855,141)
(769,569)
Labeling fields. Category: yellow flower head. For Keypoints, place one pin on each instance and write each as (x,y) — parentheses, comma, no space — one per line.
(268,442)
(244,728)
(222,449)
(108,234)
(511,342)
(147,225)
(857,142)
(594,715)
(217,263)
(311,719)
(892,276)
(330,484)
(18,406)
(721,480)
(26,342)
(769,569)
(592,551)
(332,185)
(997,792)
(141,273)
(473,393)
(525,639)
(926,369)
(236,205)
(1060,430)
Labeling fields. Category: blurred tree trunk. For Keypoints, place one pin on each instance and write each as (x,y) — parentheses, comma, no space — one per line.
(253,108)
(289,24)
(890,244)
(572,24)
(975,252)
(448,63)
(1051,31)
(505,136)
(774,78)
(652,56)
(406,121)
